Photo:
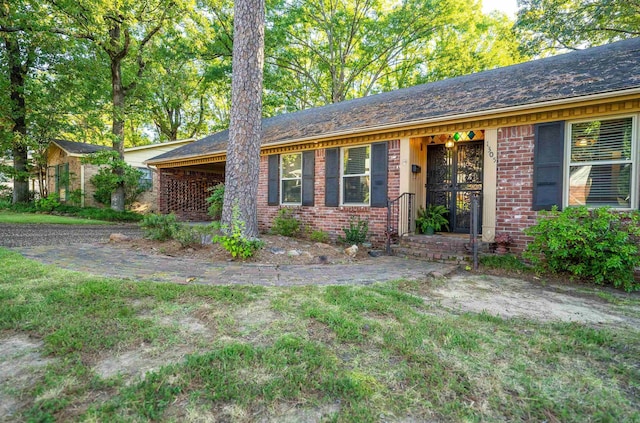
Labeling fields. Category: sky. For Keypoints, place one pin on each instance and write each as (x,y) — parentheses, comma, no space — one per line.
(510,7)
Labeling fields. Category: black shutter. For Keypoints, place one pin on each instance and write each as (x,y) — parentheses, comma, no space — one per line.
(332,177)
(548,165)
(308,175)
(66,178)
(379,165)
(57,178)
(273,196)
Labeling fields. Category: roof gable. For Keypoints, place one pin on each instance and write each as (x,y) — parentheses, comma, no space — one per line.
(73,148)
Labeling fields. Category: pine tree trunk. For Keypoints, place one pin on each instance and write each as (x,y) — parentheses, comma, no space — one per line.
(117,128)
(245,129)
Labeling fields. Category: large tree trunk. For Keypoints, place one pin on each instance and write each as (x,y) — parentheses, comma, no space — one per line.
(17,75)
(117,128)
(245,128)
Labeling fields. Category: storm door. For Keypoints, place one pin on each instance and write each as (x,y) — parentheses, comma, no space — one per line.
(453,176)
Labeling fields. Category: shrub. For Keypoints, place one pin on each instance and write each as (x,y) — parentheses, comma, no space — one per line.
(159,227)
(215,201)
(75,197)
(106,180)
(186,235)
(285,223)
(598,245)
(6,194)
(356,233)
(107,214)
(319,236)
(234,240)
(48,204)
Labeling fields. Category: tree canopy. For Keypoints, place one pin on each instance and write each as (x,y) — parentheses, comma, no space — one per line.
(131,72)
(546,26)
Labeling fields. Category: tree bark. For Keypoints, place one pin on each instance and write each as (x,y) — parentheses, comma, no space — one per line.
(17,75)
(245,128)
(117,128)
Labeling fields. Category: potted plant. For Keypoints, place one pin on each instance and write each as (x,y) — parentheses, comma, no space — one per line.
(503,240)
(432,219)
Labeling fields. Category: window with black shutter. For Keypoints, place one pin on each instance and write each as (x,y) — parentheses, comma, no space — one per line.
(548,165)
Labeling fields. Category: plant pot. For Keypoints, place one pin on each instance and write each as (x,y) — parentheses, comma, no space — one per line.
(429,230)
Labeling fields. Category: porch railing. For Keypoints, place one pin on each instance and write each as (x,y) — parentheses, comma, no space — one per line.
(400,219)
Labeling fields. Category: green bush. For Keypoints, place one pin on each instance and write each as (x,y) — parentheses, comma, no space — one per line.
(234,240)
(49,203)
(599,245)
(187,236)
(23,207)
(75,197)
(285,223)
(216,201)
(106,214)
(159,227)
(6,195)
(106,181)
(356,233)
(319,236)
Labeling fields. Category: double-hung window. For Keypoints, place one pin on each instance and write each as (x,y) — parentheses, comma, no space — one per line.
(146,179)
(602,161)
(356,175)
(291,178)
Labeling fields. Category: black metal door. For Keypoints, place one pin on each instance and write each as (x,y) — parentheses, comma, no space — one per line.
(453,176)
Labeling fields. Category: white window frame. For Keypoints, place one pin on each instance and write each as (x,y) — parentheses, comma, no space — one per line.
(635,159)
(146,171)
(343,176)
(282,179)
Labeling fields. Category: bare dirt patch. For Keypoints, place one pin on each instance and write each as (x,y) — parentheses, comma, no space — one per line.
(21,365)
(134,364)
(509,297)
(277,250)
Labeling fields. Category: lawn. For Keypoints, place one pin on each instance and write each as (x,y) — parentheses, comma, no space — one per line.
(250,353)
(13,217)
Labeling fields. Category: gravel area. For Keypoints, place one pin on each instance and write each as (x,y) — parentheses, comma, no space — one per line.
(23,235)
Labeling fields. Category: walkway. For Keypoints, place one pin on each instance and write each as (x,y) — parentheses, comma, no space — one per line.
(105,260)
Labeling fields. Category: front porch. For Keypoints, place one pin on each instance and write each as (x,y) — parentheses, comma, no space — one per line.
(441,247)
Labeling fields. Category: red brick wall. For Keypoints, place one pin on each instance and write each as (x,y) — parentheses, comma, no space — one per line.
(514,196)
(332,219)
(184,192)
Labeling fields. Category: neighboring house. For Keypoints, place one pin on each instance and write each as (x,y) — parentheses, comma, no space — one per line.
(67,175)
(136,157)
(562,130)
(6,182)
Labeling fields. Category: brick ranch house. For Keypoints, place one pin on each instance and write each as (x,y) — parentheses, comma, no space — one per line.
(562,130)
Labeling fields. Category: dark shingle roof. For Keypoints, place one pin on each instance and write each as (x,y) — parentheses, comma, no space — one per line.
(73,147)
(608,68)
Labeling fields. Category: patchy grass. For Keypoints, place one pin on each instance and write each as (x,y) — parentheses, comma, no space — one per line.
(336,353)
(13,217)
(508,262)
